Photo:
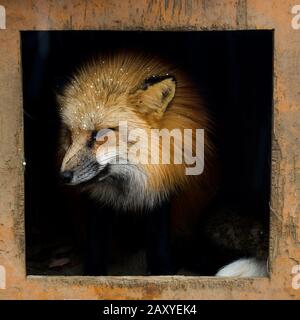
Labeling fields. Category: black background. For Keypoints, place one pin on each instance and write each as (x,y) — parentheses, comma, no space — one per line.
(233,70)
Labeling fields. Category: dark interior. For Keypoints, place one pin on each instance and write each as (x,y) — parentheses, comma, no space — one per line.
(233,70)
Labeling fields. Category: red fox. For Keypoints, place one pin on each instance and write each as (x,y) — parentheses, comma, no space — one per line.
(148,94)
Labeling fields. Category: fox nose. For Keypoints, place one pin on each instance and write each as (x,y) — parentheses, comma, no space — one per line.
(66,176)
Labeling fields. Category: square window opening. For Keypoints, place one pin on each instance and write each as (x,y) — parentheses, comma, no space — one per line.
(67,233)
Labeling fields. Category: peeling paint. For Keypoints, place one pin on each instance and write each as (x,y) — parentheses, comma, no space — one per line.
(241,13)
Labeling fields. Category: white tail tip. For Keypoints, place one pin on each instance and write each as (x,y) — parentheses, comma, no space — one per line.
(246,267)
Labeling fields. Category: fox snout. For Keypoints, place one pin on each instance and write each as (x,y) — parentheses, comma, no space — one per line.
(79,165)
(66,176)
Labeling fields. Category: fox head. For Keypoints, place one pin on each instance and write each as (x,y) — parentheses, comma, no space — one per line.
(146,93)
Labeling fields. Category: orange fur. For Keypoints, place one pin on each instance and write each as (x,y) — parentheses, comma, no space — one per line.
(108,90)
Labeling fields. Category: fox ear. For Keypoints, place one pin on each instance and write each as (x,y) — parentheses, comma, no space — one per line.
(156,93)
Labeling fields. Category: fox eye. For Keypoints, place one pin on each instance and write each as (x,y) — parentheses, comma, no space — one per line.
(96,134)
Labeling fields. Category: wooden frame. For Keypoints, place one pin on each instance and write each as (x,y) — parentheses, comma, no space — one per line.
(153,15)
